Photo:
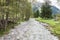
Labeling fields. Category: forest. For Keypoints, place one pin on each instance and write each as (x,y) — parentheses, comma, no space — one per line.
(14,11)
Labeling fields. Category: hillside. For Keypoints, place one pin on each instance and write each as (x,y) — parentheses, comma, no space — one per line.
(37,5)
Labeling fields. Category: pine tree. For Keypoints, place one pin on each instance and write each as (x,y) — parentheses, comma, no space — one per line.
(46,11)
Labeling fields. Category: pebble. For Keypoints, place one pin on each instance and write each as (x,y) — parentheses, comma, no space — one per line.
(29,30)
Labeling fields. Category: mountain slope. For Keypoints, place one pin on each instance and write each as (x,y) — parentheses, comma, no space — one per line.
(37,5)
(55,10)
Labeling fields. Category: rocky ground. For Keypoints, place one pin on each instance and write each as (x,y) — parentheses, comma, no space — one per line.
(29,30)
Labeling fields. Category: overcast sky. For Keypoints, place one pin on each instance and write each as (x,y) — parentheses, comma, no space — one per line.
(53,2)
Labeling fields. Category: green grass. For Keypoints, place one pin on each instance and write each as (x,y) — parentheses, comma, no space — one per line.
(54,25)
(48,21)
(57,29)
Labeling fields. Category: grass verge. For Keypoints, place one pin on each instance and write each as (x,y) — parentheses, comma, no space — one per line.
(55,25)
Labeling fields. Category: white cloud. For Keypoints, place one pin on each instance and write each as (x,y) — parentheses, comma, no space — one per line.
(53,2)
(40,1)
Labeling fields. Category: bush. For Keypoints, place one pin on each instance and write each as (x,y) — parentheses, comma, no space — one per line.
(36,14)
(46,11)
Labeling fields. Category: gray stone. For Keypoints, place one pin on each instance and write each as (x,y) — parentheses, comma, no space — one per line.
(30,30)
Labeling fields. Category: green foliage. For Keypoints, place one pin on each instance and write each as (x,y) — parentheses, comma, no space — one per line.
(55,25)
(58,17)
(36,14)
(14,11)
(28,11)
(46,11)
(48,21)
(57,29)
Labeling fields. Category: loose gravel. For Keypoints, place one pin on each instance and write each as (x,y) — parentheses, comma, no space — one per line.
(29,30)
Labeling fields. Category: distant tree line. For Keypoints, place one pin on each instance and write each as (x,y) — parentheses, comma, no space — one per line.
(46,11)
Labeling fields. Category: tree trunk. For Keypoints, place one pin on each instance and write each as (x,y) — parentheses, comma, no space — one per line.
(6,22)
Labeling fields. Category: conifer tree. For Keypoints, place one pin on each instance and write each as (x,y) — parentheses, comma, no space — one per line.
(46,11)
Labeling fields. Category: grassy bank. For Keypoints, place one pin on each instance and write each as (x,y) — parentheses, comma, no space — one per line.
(55,25)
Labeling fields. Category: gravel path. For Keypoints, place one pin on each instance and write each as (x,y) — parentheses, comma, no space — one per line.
(30,30)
